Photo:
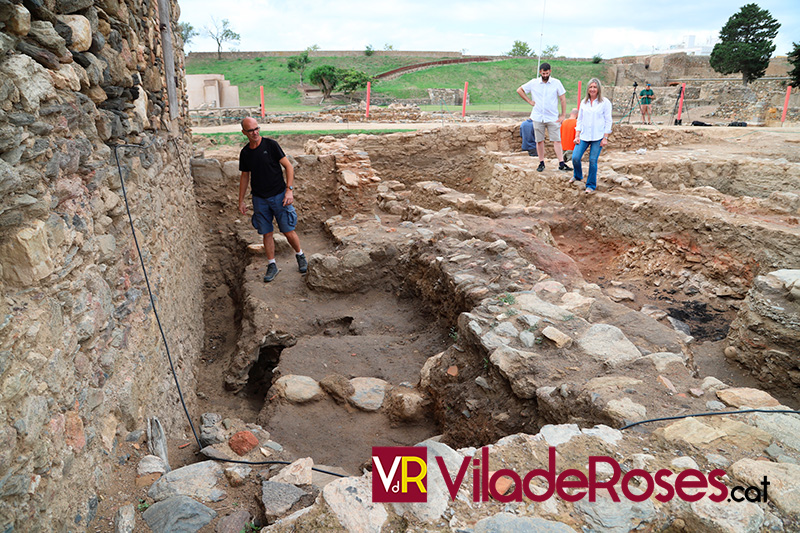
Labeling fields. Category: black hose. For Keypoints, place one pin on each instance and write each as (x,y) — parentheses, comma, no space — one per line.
(715,413)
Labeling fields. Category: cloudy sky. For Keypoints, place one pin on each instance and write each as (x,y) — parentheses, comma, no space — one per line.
(580,28)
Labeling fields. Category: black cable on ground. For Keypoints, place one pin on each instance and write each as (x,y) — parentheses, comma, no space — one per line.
(714,413)
(158,320)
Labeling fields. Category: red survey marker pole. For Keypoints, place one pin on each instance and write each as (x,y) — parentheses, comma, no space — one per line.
(579,94)
(464,103)
(262,102)
(680,105)
(369,87)
(786,104)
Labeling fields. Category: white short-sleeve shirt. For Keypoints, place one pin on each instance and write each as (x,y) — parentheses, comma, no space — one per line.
(545,96)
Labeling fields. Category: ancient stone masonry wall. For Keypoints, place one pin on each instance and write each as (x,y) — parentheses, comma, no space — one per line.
(81,361)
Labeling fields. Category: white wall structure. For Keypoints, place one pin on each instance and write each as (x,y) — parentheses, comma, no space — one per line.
(211,90)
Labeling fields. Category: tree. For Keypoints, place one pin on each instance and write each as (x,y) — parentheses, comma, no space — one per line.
(299,64)
(326,77)
(794,60)
(352,80)
(221,33)
(550,52)
(388,47)
(187,31)
(368,51)
(520,49)
(745,43)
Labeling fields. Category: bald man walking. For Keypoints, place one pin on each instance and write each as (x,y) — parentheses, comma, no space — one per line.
(262,163)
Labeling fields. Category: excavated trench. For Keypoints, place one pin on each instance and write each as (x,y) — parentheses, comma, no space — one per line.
(683,258)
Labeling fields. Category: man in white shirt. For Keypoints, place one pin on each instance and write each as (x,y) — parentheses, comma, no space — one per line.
(546,93)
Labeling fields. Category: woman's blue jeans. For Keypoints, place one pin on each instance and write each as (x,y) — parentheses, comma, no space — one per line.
(594,154)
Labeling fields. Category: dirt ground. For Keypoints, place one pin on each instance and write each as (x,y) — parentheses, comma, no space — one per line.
(378,333)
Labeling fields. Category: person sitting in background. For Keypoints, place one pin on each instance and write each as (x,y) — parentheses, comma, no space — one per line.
(568,135)
(592,130)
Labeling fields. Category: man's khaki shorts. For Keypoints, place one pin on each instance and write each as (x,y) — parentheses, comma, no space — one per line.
(553,127)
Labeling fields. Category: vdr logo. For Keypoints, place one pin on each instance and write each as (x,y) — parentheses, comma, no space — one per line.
(399,474)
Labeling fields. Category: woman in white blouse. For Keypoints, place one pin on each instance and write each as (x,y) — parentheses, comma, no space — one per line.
(592,130)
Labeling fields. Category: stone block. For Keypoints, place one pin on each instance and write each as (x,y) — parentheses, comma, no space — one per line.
(25,257)
(242,442)
(16,18)
(81,31)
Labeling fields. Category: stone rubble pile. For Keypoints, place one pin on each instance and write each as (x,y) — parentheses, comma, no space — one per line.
(532,350)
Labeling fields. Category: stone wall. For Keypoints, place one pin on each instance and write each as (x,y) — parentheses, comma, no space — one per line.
(81,362)
(760,102)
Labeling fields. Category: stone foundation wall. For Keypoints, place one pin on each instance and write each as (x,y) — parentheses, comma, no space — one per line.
(82,364)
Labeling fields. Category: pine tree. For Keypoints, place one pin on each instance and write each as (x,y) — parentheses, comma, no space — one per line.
(746,43)
(794,59)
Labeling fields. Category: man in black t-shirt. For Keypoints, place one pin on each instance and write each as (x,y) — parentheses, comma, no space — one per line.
(262,163)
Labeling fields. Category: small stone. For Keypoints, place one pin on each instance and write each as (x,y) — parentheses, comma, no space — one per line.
(731,351)
(744,517)
(298,389)
(641,460)
(560,338)
(297,473)
(337,386)
(684,463)
(626,410)
(178,513)
(482,383)
(718,460)
(151,464)
(653,312)
(125,519)
(747,397)
(618,294)
(237,475)
(234,523)
(242,442)
(502,484)
(712,384)
(278,498)
(692,431)
(697,393)
(668,384)
(452,371)
(369,393)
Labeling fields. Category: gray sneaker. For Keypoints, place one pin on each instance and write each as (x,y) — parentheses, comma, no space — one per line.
(272,271)
(302,263)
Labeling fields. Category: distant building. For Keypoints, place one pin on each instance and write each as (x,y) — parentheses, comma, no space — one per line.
(690,47)
(211,90)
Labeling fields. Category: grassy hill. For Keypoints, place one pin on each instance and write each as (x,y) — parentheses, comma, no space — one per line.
(490,84)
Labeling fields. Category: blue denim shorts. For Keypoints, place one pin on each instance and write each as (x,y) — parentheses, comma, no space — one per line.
(265,209)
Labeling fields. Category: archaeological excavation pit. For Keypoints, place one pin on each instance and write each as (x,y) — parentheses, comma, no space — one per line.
(454,290)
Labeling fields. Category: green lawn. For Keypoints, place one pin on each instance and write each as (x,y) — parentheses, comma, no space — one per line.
(280,85)
(491,84)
